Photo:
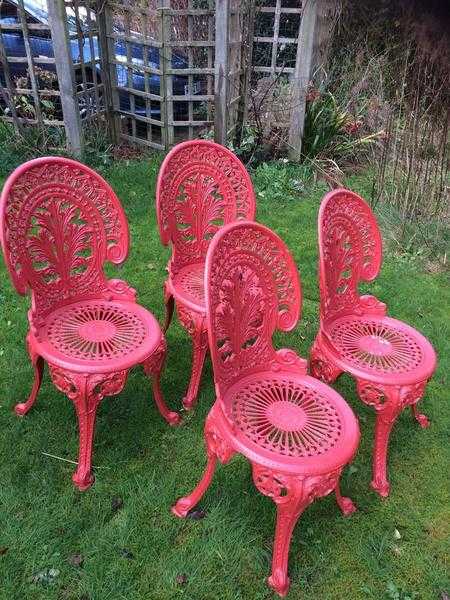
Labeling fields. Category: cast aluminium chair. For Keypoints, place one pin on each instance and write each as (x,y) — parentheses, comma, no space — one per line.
(201,187)
(390,361)
(297,432)
(60,222)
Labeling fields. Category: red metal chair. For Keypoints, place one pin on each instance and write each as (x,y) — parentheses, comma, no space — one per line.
(201,187)
(297,432)
(60,222)
(390,361)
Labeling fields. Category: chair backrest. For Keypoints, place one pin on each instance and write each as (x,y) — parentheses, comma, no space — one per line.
(252,288)
(201,187)
(350,251)
(59,223)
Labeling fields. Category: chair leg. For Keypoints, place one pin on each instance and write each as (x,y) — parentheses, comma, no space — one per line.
(86,393)
(345,504)
(291,495)
(169,304)
(195,325)
(288,514)
(38,365)
(153,367)
(320,365)
(184,505)
(199,348)
(217,449)
(422,419)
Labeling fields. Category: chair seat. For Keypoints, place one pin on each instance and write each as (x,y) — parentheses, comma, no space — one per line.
(98,336)
(384,349)
(291,422)
(188,286)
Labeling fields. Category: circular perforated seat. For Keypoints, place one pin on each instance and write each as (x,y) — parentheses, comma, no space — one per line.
(294,422)
(381,348)
(98,336)
(188,286)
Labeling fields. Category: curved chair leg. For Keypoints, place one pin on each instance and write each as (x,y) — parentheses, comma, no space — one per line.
(169,304)
(184,505)
(345,504)
(388,404)
(422,419)
(216,449)
(153,367)
(320,365)
(195,325)
(86,392)
(288,514)
(199,348)
(38,365)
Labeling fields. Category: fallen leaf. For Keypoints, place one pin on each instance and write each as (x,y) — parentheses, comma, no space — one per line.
(76,560)
(116,503)
(181,579)
(3,550)
(397,535)
(196,515)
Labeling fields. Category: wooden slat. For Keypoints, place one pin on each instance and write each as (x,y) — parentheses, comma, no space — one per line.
(63,61)
(221,71)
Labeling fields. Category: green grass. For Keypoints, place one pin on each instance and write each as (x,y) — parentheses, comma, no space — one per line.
(137,551)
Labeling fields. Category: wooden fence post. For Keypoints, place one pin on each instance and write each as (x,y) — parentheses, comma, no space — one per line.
(221,71)
(302,76)
(109,75)
(64,68)
(166,79)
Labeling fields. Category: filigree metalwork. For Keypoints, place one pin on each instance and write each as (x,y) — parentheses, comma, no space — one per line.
(201,187)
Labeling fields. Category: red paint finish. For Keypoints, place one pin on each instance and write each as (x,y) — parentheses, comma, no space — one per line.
(390,361)
(297,433)
(60,222)
(201,187)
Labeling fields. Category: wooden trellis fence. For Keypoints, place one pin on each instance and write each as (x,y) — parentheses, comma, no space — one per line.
(154,71)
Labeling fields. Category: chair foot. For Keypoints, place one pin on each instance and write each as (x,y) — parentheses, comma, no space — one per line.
(279,583)
(422,419)
(22,409)
(345,504)
(381,486)
(83,481)
(189,401)
(182,507)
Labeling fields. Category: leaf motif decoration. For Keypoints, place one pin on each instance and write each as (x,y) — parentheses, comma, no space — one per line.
(201,208)
(240,313)
(59,242)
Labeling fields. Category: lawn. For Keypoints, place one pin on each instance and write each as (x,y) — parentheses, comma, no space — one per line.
(119,540)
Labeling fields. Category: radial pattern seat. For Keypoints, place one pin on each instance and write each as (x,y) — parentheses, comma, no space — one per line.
(390,360)
(297,433)
(201,187)
(60,222)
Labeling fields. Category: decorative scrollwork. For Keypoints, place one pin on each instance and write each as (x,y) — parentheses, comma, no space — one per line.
(61,222)
(380,396)
(191,320)
(350,251)
(288,359)
(274,485)
(216,444)
(154,363)
(320,365)
(253,288)
(201,187)
(90,388)
(282,487)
